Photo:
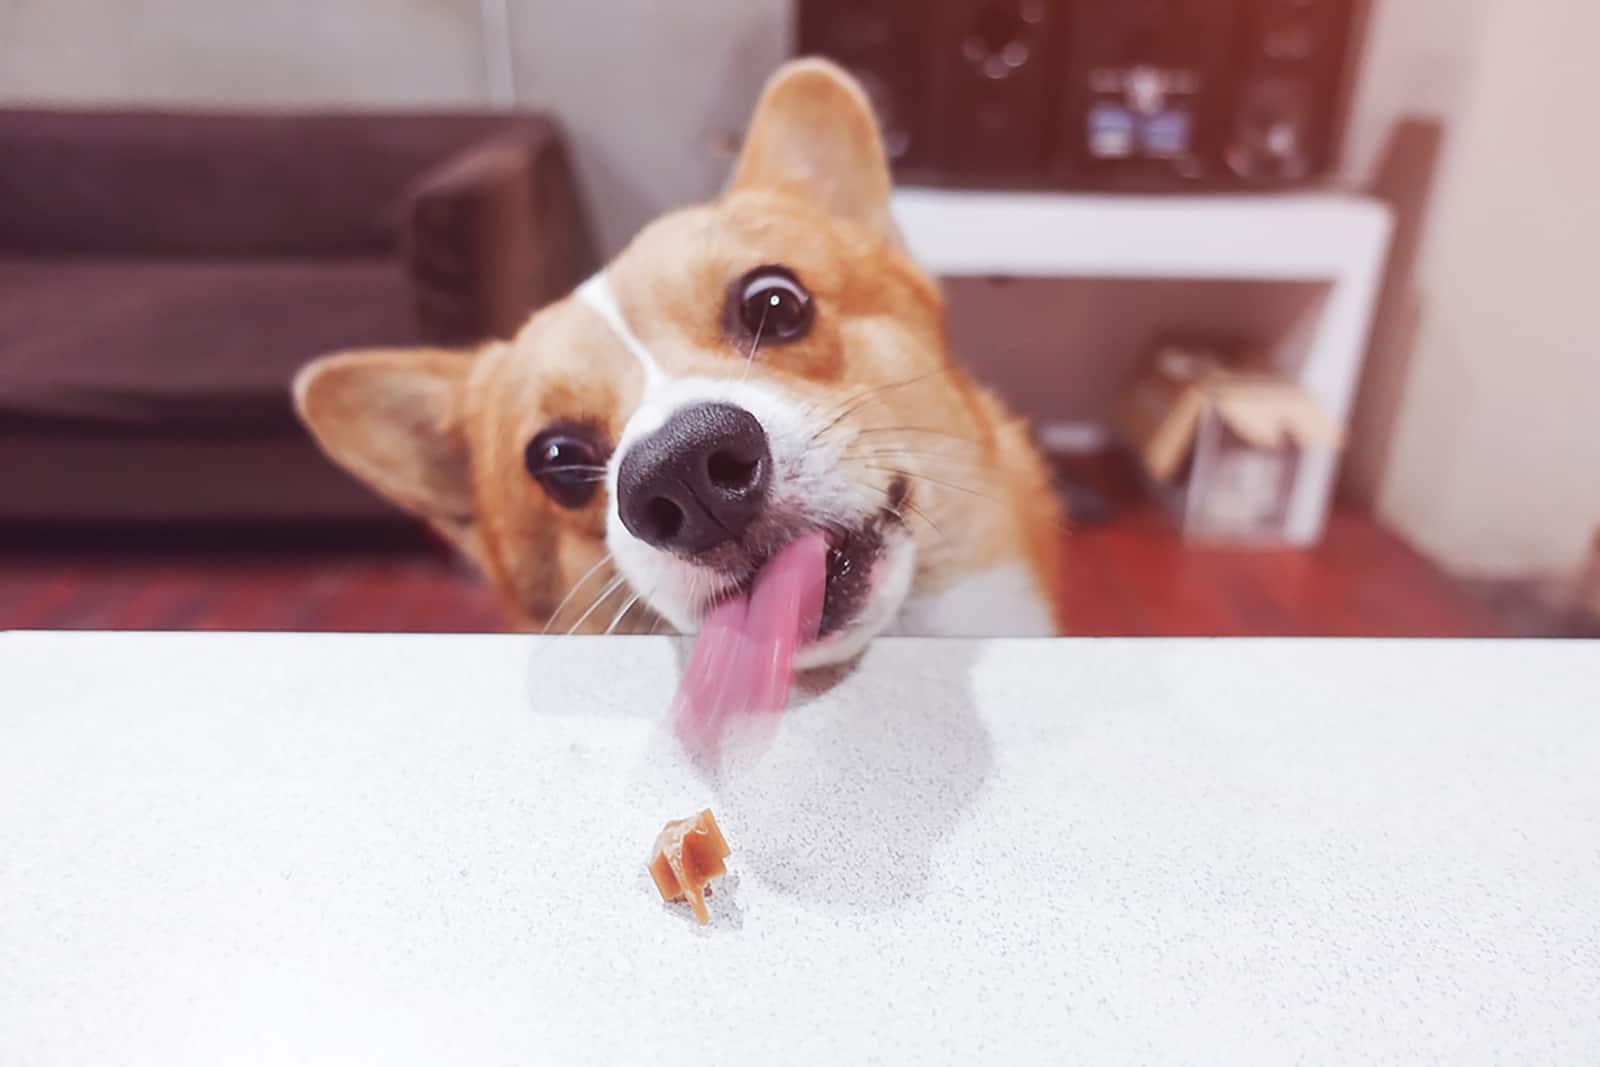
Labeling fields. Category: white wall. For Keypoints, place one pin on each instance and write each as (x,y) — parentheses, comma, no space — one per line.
(645,87)
(1420,57)
(273,52)
(1495,466)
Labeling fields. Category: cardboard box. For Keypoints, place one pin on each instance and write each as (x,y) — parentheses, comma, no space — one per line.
(1222,439)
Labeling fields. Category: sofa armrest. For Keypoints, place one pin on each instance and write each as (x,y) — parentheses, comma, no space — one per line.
(491,235)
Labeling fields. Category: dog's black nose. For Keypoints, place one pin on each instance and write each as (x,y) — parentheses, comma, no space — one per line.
(698,481)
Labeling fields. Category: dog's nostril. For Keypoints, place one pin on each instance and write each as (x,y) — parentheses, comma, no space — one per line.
(732,473)
(664,518)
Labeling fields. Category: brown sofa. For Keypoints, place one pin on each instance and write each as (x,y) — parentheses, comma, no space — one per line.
(162,277)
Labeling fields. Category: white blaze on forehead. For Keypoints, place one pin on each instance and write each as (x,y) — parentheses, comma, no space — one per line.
(597,293)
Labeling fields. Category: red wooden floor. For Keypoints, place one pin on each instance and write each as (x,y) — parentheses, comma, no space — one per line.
(1129,576)
(1134,577)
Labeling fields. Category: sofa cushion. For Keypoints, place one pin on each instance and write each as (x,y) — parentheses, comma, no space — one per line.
(78,476)
(204,346)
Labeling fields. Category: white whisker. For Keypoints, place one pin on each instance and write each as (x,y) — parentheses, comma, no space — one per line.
(574,591)
(605,594)
(916,429)
(923,515)
(852,404)
(933,480)
(616,620)
(756,343)
(977,463)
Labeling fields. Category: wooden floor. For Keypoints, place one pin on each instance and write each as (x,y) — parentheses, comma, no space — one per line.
(1128,576)
(1134,577)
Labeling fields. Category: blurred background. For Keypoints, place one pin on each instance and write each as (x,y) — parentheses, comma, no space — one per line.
(1296,292)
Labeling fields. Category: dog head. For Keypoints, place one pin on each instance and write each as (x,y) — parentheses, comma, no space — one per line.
(743,372)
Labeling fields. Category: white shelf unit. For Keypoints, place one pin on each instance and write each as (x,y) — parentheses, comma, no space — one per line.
(1333,239)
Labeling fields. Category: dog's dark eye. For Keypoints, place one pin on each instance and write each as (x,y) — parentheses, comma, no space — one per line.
(771,305)
(568,462)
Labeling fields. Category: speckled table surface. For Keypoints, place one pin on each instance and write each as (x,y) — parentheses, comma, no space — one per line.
(224,849)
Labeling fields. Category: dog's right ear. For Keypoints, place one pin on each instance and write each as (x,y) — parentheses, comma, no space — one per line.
(393,418)
(814,132)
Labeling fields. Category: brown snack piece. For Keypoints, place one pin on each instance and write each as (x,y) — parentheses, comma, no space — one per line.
(688,853)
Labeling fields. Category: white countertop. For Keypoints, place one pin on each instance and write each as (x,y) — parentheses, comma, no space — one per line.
(230,849)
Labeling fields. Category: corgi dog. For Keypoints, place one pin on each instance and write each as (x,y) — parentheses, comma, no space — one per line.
(767,367)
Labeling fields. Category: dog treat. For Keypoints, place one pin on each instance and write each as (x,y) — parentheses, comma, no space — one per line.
(688,853)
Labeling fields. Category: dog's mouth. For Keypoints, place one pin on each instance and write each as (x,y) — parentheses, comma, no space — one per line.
(851,555)
(847,571)
(808,603)
(846,576)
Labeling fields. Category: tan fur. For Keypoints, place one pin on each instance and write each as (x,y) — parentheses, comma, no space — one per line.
(442,434)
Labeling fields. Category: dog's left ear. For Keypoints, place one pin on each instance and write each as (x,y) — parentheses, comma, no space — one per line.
(814,133)
(392,417)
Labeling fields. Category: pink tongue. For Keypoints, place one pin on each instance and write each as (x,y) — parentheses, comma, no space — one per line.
(742,660)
